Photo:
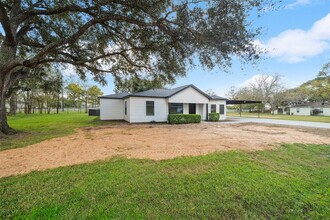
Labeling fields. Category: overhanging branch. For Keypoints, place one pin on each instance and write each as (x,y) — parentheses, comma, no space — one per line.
(4,20)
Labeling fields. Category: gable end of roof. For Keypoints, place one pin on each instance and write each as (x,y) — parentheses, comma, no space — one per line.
(192,86)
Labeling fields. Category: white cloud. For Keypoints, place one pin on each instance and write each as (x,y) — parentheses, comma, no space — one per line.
(249,81)
(298,3)
(297,45)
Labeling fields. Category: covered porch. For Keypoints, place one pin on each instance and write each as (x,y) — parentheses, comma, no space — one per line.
(189,108)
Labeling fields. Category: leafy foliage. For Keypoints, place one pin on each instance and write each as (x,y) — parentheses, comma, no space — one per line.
(125,37)
(316,90)
(266,88)
(156,39)
(75,94)
(137,83)
(214,116)
(93,93)
(183,118)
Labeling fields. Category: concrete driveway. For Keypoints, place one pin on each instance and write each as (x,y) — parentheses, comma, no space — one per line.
(234,120)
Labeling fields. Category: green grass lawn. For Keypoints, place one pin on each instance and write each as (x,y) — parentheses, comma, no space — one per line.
(292,182)
(38,127)
(283,117)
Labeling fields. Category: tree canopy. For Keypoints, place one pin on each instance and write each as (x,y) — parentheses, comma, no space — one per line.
(120,37)
(266,88)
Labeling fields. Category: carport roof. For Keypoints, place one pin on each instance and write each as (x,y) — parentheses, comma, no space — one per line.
(237,102)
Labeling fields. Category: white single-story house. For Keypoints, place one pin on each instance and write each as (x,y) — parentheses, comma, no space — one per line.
(155,105)
(311,108)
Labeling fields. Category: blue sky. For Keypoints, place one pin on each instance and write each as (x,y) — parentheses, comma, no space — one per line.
(298,38)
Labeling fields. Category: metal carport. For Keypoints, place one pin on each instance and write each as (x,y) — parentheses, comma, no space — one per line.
(242,102)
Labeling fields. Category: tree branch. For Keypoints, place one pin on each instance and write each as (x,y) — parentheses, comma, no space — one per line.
(33,61)
(53,11)
(32,43)
(4,20)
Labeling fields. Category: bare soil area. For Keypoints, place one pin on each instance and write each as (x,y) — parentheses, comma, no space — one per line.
(156,141)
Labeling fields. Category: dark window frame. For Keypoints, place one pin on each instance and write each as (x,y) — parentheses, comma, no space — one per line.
(151,105)
(222,109)
(215,108)
(175,105)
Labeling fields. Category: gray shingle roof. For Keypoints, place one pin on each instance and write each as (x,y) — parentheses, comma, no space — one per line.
(160,93)
(115,96)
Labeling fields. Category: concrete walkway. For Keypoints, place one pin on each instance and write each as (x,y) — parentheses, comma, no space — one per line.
(234,120)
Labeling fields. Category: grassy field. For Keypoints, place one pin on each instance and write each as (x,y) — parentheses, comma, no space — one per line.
(38,127)
(283,117)
(291,182)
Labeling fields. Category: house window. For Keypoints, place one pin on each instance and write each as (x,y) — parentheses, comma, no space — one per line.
(213,108)
(298,110)
(321,110)
(222,109)
(150,108)
(175,108)
(125,107)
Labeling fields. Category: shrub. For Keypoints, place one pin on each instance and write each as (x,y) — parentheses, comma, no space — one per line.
(183,118)
(214,116)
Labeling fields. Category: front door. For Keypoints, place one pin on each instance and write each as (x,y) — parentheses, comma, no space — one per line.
(192,108)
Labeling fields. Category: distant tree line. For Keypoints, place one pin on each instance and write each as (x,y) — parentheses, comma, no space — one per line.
(271,91)
(46,91)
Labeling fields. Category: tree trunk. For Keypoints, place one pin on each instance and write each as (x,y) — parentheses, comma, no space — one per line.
(13,104)
(58,103)
(8,78)
(86,103)
(29,102)
(4,127)
(47,106)
(62,100)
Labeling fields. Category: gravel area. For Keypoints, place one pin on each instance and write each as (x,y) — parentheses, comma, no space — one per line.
(152,141)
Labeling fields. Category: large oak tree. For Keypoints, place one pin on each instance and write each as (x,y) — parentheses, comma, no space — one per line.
(158,38)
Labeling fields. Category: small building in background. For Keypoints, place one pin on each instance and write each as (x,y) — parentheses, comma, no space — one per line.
(311,108)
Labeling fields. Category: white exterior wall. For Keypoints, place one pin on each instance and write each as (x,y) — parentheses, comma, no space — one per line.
(218,103)
(185,108)
(137,110)
(302,111)
(326,111)
(206,113)
(111,109)
(127,116)
(199,110)
(188,95)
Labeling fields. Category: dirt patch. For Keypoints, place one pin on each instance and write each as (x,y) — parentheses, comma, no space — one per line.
(157,142)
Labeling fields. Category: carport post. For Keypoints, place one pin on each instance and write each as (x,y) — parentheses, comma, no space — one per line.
(240,110)
(258,110)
